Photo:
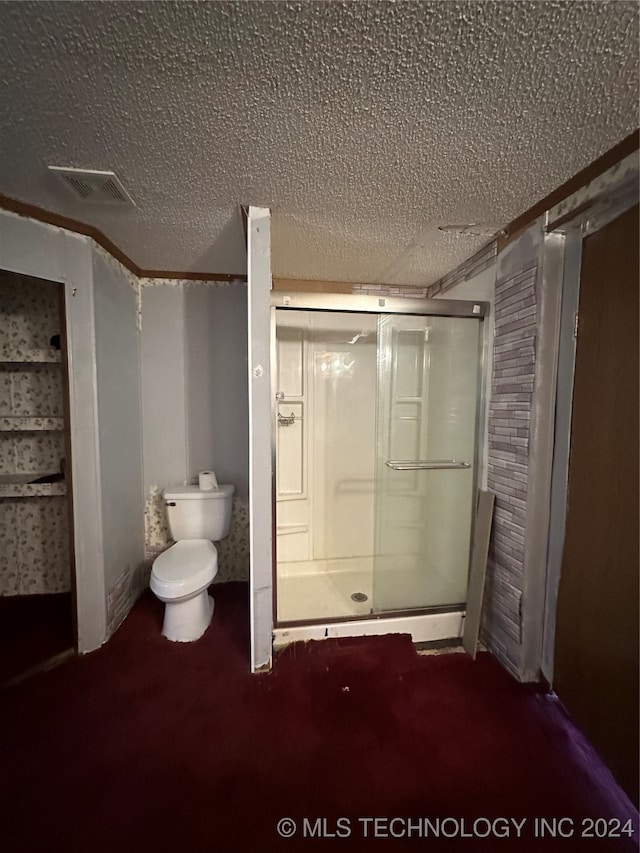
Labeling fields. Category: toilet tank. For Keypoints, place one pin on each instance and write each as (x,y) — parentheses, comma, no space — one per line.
(196,514)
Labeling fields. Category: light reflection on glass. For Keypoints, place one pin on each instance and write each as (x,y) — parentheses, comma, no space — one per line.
(335,365)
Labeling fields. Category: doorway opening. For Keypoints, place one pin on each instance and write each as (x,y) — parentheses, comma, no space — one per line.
(37,596)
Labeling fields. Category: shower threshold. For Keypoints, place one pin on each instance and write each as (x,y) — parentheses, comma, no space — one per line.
(424,628)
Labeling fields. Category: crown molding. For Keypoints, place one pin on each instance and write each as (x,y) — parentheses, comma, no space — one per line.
(48,217)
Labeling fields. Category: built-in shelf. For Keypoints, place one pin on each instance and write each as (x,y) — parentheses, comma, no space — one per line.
(18,486)
(17,423)
(33,490)
(29,356)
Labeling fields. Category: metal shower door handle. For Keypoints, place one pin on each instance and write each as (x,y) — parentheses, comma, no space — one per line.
(424,464)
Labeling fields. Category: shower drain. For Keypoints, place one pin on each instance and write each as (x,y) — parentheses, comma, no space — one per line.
(359,596)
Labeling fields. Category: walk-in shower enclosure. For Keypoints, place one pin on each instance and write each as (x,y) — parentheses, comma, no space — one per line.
(377,410)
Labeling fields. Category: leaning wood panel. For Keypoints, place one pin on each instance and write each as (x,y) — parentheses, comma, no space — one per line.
(484,517)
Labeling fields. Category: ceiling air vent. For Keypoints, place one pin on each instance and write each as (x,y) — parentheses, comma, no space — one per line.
(93,185)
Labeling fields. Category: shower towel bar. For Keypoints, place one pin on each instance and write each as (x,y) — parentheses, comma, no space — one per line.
(424,464)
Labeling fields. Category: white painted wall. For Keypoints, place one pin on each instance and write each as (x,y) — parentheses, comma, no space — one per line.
(194,383)
(217,408)
(117,343)
(164,432)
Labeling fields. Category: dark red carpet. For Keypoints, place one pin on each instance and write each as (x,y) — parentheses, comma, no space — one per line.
(147,745)
(33,628)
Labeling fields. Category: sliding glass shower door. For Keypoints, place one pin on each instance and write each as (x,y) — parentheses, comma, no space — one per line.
(427,403)
(375,419)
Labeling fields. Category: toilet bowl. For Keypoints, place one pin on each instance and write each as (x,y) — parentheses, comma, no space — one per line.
(181,575)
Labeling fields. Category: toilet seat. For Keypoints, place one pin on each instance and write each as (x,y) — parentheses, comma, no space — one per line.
(184,569)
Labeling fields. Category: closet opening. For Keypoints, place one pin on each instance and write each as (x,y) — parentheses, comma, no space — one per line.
(37,579)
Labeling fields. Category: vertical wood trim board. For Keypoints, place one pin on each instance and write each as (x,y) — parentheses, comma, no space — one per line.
(479,556)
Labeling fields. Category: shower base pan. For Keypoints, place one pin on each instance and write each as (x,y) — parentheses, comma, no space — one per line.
(321,599)
(424,628)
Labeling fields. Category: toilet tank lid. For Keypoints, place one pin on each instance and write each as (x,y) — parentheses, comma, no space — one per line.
(196,493)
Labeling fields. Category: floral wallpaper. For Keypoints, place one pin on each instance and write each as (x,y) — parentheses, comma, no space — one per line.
(9,548)
(34,545)
(156,527)
(34,528)
(233,551)
(6,393)
(24,452)
(33,390)
(31,313)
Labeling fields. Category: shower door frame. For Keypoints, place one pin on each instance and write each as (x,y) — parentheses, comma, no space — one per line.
(367,304)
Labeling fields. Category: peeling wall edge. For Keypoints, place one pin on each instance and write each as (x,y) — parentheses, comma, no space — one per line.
(481,260)
(189,282)
(603,164)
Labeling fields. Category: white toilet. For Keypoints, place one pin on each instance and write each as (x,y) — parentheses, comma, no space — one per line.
(181,574)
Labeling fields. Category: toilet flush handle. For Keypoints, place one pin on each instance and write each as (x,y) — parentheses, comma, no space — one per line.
(170,503)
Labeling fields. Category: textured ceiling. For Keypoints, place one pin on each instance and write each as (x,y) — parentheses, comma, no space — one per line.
(362,125)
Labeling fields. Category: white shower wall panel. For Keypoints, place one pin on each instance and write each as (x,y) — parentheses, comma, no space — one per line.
(293,454)
(344,431)
(327,367)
